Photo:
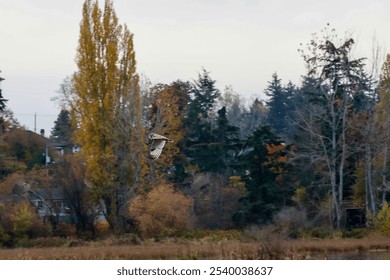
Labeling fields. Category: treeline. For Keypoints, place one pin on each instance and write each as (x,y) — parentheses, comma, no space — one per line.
(297,160)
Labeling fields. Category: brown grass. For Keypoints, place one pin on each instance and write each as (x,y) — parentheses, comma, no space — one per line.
(206,249)
(351,248)
(190,250)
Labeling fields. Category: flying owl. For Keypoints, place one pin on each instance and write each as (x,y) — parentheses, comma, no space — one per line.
(158,143)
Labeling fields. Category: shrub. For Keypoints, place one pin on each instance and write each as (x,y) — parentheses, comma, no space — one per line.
(216,200)
(21,221)
(65,230)
(4,237)
(355,233)
(18,223)
(26,224)
(4,226)
(162,210)
(290,222)
(102,228)
(382,221)
(320,232)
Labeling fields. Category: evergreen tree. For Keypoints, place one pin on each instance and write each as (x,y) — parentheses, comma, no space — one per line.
(2,108)
(278,104)
(2,99)
(290,91)
(199,121)
(261,165)
(204,96)
(226,144)
(62,130)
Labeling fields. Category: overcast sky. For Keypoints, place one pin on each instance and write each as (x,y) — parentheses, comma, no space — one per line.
(241,42)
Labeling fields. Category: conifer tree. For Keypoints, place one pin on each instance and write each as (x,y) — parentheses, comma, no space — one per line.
(278,104)
(2,108)
(226,144)
(62,130)
(260,168)
(204,97)
(199,121)
(2,99)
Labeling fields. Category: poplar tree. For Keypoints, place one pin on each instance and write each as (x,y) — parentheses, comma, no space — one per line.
(106,109)
(382,121)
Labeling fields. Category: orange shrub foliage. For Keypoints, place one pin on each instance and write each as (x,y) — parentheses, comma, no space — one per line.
(161,210)
(272,149)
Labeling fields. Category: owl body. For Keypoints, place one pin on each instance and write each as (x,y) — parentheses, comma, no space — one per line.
(157,145)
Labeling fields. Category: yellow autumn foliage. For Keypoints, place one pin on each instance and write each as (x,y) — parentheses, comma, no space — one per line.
(106,107)
(162,210)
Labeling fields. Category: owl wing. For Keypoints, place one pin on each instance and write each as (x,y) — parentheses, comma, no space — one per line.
(155,136)
(156,148)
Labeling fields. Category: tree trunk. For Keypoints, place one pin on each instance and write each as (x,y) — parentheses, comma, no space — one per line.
(336,185)
(385,186)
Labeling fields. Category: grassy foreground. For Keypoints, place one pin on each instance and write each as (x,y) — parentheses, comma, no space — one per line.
(374,247)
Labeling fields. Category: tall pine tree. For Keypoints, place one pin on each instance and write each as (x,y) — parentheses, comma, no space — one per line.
(2,99)
(62,130)
(278,104)
(199,121)
(226,144)
(2,108)
(261,164)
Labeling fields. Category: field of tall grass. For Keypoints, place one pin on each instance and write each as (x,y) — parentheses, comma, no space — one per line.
(213,246)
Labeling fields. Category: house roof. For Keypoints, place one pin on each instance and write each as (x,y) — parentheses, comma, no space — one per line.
(47,141)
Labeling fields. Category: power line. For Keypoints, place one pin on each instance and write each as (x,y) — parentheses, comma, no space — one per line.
(32,114)
(36,121)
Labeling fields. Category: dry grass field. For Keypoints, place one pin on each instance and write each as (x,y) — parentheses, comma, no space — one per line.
(376,247)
